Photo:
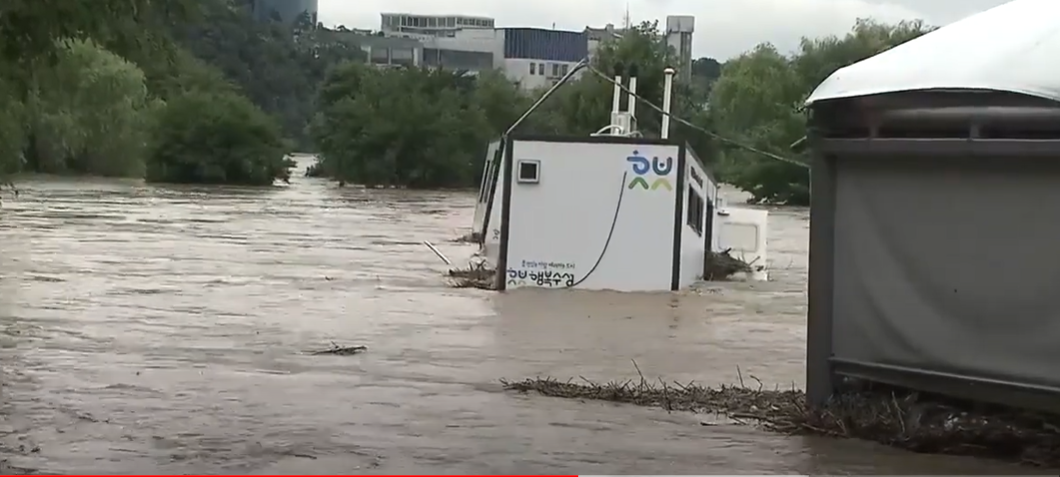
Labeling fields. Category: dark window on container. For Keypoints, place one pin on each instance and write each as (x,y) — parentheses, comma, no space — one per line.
(696,208)
(487,181)
(533,68)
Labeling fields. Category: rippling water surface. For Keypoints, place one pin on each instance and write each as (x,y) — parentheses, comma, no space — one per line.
(154,329)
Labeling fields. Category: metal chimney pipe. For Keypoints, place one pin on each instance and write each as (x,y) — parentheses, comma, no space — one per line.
(632,108)
(668,87)
(616,97)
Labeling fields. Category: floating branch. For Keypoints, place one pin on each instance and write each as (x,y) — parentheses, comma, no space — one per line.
(341,350)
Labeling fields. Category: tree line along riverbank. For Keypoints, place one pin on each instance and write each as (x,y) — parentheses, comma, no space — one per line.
(200,92)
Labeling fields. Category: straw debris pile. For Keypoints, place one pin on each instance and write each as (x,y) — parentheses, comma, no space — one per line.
(909,420)
(722,265)
(476,275)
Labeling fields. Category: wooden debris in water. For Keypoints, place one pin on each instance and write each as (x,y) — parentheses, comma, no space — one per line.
(470,237)
(341,350)
(7,468)
(901,418)
(7,186)
(476,275)
(722,266)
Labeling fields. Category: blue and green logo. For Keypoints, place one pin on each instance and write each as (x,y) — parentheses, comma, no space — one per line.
(642,166)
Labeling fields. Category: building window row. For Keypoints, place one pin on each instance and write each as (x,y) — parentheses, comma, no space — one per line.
(558,69)
(398,21)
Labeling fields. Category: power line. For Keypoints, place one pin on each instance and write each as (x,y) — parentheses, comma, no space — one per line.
(585,64)
(709,133)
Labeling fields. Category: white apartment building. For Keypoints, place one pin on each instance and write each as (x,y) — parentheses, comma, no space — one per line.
(449,41)
(433,25)
(532,57)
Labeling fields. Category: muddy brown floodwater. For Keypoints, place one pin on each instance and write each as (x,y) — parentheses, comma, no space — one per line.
(164,329)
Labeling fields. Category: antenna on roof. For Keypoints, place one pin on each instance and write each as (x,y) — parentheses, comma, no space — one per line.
(623,123)
(668,92)
(617,82)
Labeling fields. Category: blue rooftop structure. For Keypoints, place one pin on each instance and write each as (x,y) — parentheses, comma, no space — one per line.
(546,45)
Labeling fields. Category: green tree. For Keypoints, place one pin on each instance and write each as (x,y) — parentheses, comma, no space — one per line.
(405,127)
(277,66)
(12,131)
(29,28)
(83,85)
(705,71)
(185,73)
(89,113)
(500,99)
(757,101)
(30,33)
(215,138)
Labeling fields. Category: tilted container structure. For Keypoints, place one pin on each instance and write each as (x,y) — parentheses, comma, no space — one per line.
(612,211)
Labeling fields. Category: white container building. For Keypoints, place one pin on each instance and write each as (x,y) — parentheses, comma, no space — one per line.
(607,212)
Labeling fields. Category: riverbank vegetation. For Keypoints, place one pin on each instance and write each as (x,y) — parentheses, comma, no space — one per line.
(200,91)
(170,90)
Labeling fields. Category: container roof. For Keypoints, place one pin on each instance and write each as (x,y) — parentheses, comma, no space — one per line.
(1013,48)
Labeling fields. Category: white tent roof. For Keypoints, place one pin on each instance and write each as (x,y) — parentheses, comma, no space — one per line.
(1014,47)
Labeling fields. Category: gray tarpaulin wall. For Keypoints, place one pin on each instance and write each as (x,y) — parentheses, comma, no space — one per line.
(935,245)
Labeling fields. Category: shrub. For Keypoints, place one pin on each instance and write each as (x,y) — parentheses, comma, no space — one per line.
(215,138)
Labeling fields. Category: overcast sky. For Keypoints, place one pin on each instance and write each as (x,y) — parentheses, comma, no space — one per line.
(724,28)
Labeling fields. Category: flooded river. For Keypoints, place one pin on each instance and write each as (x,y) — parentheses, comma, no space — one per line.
(164,330)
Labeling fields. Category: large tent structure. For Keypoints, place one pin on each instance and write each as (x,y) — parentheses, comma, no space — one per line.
(935,216)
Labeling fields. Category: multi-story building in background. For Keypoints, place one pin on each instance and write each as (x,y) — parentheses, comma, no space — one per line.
(286,11)
(458,42)
(379,50)
(532,57)
(389,51)
(432,25)
(537,58)
(679,31)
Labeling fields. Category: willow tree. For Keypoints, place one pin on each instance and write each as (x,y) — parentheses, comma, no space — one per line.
(12,132)
(409,127)
(89,112)
(758,97)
